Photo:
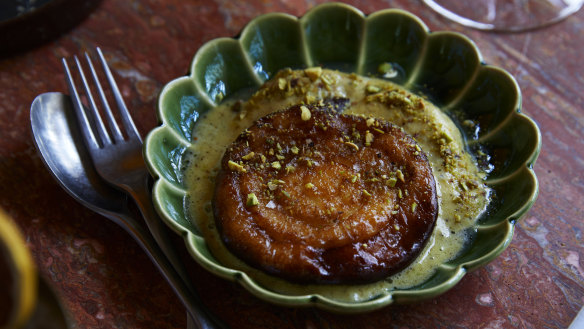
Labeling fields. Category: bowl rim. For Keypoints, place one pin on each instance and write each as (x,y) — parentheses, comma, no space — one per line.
(310,299)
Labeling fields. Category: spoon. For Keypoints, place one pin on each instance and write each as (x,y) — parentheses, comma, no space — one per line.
(60,144)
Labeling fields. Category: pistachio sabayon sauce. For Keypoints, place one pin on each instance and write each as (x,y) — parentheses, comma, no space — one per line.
(461,191)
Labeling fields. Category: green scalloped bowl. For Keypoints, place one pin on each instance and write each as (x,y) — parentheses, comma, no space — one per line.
(447,67)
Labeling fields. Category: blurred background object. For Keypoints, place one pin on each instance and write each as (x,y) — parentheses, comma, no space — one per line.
(18,276)
(25,24)
(506,15)
(26,300)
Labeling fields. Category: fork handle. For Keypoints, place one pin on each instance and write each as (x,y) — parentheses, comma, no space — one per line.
(173,268)
(198,312)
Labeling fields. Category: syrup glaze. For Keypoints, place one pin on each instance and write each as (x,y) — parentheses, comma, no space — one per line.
(462,195)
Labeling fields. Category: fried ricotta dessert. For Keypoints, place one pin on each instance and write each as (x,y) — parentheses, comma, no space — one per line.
(312,195)
(329,177)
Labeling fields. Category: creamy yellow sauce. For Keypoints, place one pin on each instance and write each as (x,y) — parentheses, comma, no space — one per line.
(461,192)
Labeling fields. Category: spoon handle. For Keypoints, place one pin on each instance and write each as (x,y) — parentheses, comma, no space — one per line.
(198,312)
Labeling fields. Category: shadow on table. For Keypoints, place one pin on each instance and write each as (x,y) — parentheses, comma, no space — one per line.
(49,312)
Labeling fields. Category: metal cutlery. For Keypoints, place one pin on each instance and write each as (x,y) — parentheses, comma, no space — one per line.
(60,144)
(117,156)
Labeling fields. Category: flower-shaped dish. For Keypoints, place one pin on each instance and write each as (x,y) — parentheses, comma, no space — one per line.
(446,67)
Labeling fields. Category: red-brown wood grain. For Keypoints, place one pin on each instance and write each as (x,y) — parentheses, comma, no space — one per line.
(104,279)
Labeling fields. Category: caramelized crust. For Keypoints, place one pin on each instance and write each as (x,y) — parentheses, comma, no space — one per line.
(314,196)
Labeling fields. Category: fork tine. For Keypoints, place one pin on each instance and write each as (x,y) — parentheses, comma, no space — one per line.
(131,129)
(94,112)
(88,125)
(114,128)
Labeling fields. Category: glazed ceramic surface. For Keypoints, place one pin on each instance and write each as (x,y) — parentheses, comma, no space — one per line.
(445,67)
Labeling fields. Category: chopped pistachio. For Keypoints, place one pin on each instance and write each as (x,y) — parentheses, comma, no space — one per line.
(353,145)
(399,193)
(447,137)
(304,113)
(272,185)
(248,156)
(309,185)
(387,70)
(385,67)
(370,121)
(326,79)
(280,157)
(368,138)
(289,169)
(379,130)
(286,194)
(354,179)
(400,175)
(372,89)
(366,193)
(294,150)
(394,212)
(235,166)
(414,206)
(263,158)
(391,182)
(252,200)
(282,83)
(396,227)
(219,97)
(313,72)
(276,165)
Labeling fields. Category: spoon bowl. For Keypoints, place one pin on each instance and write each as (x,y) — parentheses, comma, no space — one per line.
(55,132)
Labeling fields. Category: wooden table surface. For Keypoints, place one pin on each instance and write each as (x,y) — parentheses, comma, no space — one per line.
(105,281)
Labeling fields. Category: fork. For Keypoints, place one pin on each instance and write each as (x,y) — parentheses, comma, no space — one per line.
(118,160)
